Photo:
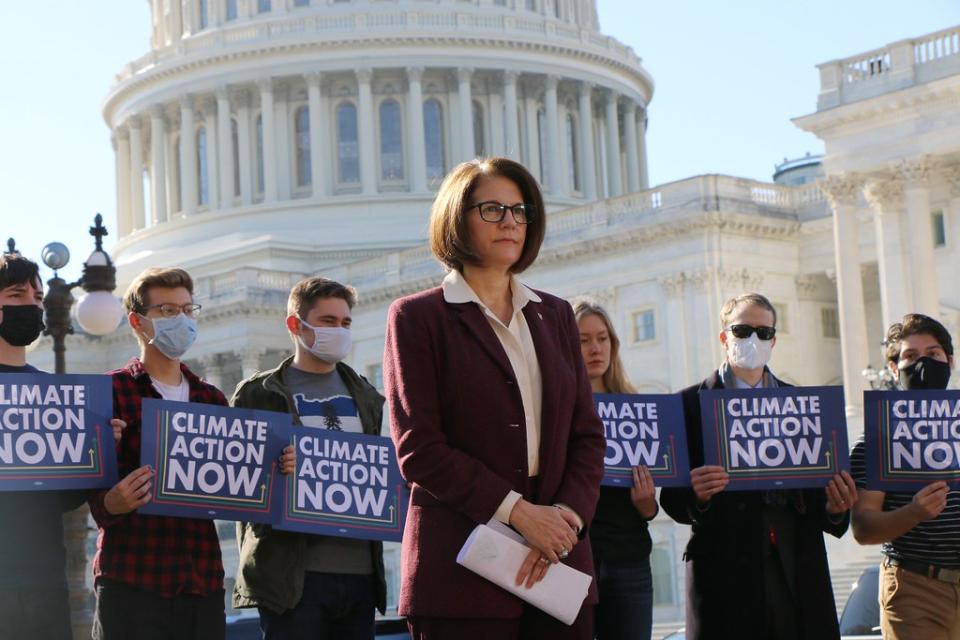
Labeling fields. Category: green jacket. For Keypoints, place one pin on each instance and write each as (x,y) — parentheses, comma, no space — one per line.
(272,562)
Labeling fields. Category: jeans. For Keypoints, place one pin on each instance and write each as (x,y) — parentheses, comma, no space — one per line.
(334,606)
(625,610)
(128,613)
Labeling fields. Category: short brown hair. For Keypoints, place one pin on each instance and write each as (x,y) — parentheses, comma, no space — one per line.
(449,238)
(135,299)
(916,324)
(745,300)
(309,290)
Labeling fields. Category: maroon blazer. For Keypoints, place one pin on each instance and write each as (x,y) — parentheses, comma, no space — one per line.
(457,420)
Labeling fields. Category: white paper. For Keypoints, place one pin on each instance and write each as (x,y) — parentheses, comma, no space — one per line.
(497,556)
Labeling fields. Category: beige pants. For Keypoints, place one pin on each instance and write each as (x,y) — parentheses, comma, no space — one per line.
(915,607)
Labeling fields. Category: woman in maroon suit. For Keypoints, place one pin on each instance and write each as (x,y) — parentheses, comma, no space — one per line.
(491,413)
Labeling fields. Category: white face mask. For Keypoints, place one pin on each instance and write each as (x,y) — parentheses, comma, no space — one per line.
(330,344)
(748,353)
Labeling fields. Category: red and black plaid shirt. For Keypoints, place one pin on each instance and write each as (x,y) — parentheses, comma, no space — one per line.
(167,556)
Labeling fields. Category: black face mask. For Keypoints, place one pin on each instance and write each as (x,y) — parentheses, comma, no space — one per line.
(21,324)
(925,373)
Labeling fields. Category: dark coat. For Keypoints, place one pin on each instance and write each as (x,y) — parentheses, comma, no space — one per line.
(457,419)
(725,590)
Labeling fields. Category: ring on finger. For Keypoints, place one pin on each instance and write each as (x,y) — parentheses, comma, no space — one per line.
(544,560)
(563,554)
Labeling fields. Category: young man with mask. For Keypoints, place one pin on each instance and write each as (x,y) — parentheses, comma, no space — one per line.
(920,532)
(756,562)
(156,576)
(312,586)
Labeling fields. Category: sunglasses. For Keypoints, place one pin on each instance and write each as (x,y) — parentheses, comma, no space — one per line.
(746,330)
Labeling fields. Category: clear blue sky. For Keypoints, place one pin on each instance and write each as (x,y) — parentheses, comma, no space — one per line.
(729,76)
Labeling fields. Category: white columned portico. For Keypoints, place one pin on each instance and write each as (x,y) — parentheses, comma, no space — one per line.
(213,173)
(630,139)
(244,146)
(533,134)
(468,146)
(642,149)
(365,121)
(555,175)
(676,323)
(268,125)
(896,297)
(614,177)
(587,153)
(176,26)
(842,191)
(225,148)
(511,122)
(916,194)
(136,173)
(318,151)
(188,158)
(158,170)
(417,144)
(124,221)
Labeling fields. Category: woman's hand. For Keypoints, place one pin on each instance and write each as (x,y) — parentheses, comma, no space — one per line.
(643,493)
(533,569)
(288,460)
(549,529)
(841,493)
(117,425)
(707,481)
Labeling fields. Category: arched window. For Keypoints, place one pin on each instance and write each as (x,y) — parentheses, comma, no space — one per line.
(235,145)
(433,139)
(259,159)
(391,141)
(204,8)
(531,5)
(573,160)
(231,9)
(203,178)
(301,123)
(348,152)
(479,137)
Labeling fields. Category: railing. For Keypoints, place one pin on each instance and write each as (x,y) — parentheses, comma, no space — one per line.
(936,46)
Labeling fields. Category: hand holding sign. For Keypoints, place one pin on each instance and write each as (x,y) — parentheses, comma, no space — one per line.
(643,493)
(930,501)
(288,460)
(707,481)
(118,426)
(841,493)
(130,493)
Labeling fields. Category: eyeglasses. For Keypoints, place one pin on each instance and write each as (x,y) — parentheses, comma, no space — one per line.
(170,310)
(746,330)
(494,211)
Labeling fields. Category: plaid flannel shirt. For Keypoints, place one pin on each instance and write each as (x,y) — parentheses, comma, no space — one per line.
(164,555)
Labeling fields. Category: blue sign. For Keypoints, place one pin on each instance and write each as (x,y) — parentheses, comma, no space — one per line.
(55,432)
(643,430)
(911,438)
(347,485)
(213,462)
(785,438)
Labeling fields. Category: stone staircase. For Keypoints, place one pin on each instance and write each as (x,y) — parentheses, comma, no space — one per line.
(844,574)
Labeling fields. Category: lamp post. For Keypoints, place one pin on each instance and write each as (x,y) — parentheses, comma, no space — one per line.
(98,313)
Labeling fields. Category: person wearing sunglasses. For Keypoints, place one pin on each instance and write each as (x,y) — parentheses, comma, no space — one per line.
(492,414)
(756,560)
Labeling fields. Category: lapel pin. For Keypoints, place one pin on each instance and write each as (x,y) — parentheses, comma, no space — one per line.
(539,315)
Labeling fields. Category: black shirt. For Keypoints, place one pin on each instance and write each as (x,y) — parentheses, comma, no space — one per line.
(31,530)
(618,531)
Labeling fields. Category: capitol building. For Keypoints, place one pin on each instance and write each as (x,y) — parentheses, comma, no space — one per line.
(261,141)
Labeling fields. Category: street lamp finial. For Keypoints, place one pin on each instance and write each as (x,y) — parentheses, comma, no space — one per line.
(98,231)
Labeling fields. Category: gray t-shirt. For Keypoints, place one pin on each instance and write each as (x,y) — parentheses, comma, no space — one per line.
(324,402)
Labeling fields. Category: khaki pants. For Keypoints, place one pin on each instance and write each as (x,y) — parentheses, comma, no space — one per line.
(915,607)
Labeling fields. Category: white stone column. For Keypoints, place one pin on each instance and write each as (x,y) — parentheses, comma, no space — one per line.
(498,142)
(250,360)
(269,141)
(176,29)
(365,128)
(282,121)
(511,122)
(136,174)
(468,146)
(158,170)
(613,146)
(842,192)
(124,221)
(917,176)
(318,151)
(630,135)
(213,174)
(416,143)
(886,199)
(556,177)
(642,149)
(225,148)
(213,370)
(245,146)
(952,174)
(587,153)
(677,338)
(188,158)
(533,135)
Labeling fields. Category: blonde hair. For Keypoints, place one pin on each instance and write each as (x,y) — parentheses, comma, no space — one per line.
(615,377)
(745,300)
(136,297)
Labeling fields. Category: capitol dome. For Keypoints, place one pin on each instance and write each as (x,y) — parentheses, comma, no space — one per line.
(295,134)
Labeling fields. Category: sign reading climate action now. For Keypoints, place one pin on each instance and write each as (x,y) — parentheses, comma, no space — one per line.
(643,430)
(346,484)
(55,432)
(911,438)
(213,462)
(786,438)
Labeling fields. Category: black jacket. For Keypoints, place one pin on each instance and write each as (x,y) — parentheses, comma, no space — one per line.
(725,590)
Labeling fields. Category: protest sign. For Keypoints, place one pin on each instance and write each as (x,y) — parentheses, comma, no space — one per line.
(346,484)
(911,438)
(643,430)
(785,438)
(55,432)
(213,462)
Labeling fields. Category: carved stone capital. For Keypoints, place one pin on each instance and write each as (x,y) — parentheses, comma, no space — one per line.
(951,174)
(884,195)
(265,85)
(510,77)
(673,284)
(842,190)
(241,98)
(807,285)
(314,78)
(917,173)
(414,74)
(364,75)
